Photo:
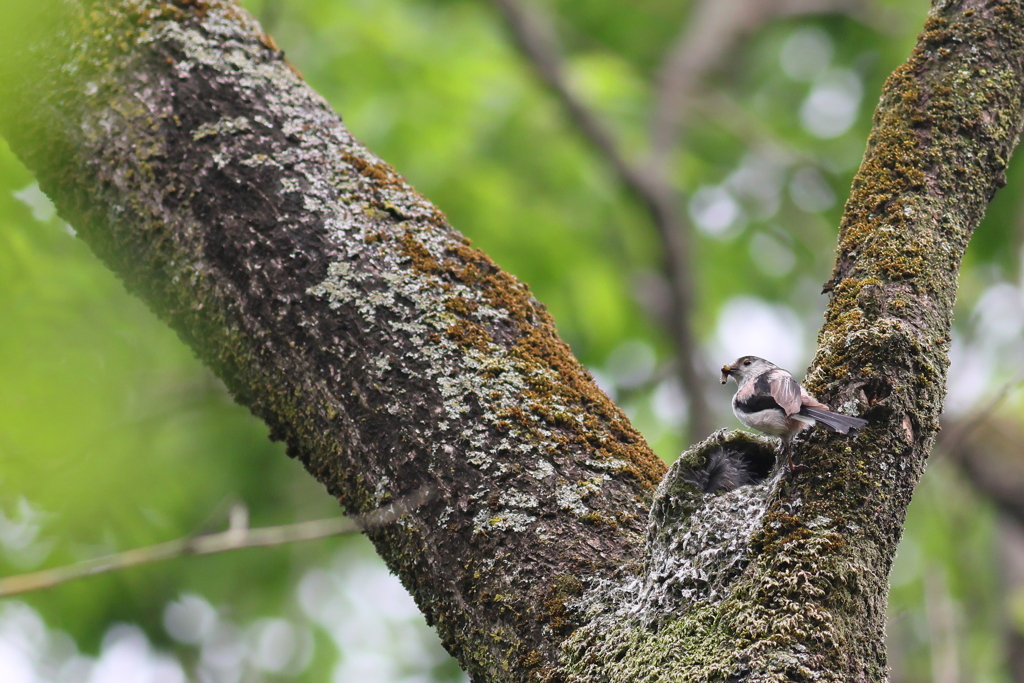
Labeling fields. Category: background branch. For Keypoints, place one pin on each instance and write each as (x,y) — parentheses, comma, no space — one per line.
(236,537)
(535,37)
(988,455)
(993,463)
(710,36)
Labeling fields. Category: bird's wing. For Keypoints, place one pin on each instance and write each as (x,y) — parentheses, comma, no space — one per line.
(786,392)
(810,401)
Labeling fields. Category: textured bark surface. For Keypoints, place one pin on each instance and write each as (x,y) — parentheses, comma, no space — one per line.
(341,308)
(801,594)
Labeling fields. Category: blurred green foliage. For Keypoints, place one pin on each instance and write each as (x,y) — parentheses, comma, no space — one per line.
(113,436)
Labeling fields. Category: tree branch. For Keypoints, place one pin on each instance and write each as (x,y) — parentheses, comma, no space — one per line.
(785,580)
(535,37)
(1010,542)
(960,431)
(988,454)
(992,461)
(342,309)
(708,38)
(711,35)
(236,537)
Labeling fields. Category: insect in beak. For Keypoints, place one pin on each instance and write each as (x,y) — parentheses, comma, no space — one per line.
(726,372)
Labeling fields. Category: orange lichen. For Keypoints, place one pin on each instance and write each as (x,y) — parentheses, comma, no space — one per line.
(468,334)
(422,259)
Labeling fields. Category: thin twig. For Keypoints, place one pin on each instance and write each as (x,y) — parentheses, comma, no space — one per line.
(535,37)
(235,538)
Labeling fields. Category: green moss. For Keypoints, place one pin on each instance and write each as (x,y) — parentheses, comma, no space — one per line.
(692,648)
(810,603)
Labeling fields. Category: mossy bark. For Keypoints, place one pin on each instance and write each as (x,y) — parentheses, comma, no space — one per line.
(341,307)
(804,598)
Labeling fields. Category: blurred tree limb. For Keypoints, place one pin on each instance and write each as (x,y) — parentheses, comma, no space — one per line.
(707,40)
(340,306)
(238,536)
(987,451)
(536,38)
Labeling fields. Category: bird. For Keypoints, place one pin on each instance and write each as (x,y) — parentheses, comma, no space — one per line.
(770,400)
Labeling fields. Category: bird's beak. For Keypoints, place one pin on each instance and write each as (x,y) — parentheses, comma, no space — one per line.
(726,373)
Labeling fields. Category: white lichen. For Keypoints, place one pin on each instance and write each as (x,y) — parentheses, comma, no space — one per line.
(570,496)
(518,499)
(502,520)
(222,127)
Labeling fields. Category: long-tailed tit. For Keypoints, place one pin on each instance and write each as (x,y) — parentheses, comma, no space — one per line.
(771,401)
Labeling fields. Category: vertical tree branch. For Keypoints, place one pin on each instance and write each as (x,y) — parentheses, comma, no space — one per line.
(786,580)
(1010,540)
(988,454)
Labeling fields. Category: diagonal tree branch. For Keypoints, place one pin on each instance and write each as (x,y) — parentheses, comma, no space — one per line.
(341,307)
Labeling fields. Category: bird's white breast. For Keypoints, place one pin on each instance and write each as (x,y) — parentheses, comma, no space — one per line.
(771,421)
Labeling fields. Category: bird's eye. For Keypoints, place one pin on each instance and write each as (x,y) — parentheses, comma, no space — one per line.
(746,362)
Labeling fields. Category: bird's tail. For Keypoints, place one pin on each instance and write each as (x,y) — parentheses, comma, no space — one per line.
(835,421)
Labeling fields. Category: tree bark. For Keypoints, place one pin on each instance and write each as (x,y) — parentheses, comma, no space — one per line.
(341,307)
